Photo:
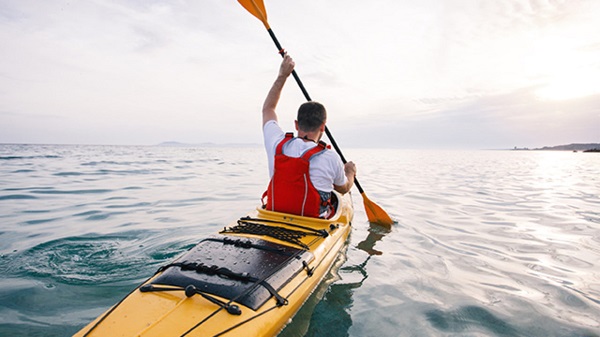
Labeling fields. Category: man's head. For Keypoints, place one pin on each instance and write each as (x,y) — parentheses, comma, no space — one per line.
(311,116)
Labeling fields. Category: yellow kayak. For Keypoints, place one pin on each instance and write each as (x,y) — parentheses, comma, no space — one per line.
(248,280)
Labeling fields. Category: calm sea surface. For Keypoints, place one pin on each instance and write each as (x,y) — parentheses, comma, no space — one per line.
(487,243)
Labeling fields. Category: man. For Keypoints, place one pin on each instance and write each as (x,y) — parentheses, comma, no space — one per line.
(303,170)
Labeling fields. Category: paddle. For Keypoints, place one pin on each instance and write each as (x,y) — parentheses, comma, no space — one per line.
(375,214)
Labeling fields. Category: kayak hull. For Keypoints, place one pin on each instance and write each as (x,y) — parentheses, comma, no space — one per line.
(270,275)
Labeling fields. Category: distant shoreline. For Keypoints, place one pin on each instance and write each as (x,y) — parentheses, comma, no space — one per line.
(587,147)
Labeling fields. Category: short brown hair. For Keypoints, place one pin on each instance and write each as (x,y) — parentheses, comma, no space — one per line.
(311,115)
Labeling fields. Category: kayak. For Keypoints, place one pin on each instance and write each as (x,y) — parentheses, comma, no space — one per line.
(247,280)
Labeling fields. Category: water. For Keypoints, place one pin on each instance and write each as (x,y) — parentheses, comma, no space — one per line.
(488,243)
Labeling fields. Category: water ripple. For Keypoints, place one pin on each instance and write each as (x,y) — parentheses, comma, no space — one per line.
(85,191)
(89,259)
(28,157)
(16,197)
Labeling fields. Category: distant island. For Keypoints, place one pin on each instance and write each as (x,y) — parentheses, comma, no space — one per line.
(590,147)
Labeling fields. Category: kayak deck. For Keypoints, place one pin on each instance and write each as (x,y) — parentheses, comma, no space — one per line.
(248,280)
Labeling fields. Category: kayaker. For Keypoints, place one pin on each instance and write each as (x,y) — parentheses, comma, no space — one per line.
(291,190)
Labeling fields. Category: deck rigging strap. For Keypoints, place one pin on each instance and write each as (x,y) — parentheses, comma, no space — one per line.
(190,291)
(318,232)
(223,272)
(245,226)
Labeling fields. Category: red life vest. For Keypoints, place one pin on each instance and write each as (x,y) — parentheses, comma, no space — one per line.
(290,189)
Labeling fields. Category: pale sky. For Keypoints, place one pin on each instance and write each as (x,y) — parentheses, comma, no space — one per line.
(392,73)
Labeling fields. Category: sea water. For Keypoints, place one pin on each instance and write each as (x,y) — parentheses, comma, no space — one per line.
(487,243)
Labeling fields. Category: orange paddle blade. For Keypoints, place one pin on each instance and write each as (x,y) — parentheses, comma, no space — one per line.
(256,8)
(376,214)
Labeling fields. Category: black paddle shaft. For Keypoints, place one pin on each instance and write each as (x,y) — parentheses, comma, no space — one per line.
(307,96)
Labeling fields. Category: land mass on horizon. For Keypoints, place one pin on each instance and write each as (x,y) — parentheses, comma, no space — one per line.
(591,147)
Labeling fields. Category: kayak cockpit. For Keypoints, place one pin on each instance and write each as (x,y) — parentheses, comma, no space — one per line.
(343,213)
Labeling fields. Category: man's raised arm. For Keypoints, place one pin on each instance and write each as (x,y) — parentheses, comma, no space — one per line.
(286,68)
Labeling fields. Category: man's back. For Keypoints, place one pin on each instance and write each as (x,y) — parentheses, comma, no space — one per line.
(326,169)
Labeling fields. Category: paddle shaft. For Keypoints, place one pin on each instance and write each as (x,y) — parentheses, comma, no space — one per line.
(307,96)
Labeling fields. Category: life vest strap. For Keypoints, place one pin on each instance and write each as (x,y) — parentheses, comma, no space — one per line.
(288,136)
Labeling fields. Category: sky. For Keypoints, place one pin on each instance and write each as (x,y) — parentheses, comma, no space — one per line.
(472,74)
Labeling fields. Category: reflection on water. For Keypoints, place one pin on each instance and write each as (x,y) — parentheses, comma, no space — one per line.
(334,308)
(367,245)
(470,318)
